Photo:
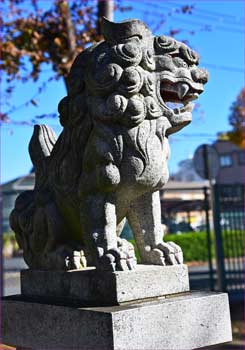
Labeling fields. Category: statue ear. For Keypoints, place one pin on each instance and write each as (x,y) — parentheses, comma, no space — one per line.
(117,32)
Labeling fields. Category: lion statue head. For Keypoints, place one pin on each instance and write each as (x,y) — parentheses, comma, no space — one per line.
(131,76)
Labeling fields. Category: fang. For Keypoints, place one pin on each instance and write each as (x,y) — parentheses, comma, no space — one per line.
(182,90)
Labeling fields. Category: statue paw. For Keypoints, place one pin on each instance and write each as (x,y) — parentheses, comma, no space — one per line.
(128,260)
(121,258)
(66,258)
(107,262)
(165,253)
(172,253)
(75,260)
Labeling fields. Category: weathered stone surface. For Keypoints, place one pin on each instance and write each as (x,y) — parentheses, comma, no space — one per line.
(106,288)
(179,323)
(111,158)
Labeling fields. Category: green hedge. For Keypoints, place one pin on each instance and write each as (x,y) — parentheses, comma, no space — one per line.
(194,245)
(9,238)
(10,245)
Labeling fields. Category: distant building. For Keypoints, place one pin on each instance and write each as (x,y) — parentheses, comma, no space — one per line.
(186,172)
(10,190)
(231,161)
(183,200)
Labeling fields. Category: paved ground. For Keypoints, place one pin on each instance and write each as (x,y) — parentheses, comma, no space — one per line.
(11,277)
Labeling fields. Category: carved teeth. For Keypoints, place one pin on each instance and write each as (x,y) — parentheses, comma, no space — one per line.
(187,108)
(182,90)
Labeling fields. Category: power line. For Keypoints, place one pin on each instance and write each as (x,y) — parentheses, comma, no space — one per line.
(24,124)
(219,19)
(226,68)
(28,124)
(197,135)
(171,9)
(211,13)
(205,26)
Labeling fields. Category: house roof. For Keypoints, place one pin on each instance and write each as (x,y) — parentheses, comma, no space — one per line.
(186,185)
(27,182)
(22,183)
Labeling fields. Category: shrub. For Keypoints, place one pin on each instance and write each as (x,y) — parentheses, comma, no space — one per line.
(195,247)
(9,240)
(193,244)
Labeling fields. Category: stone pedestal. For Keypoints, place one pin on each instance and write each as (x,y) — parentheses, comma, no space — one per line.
(157,318)
(92,287)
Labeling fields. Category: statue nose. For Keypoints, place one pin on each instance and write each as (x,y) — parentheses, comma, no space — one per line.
(199,75)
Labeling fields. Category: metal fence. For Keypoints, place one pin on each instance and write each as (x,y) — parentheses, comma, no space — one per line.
(229,236)
(223,205)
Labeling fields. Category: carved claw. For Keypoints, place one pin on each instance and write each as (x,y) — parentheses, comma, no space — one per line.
(107,263)
(76,260)
(127,249)
(63,258)
(156,257)
(121,258)
(177,252)
(172,253)
(165,254)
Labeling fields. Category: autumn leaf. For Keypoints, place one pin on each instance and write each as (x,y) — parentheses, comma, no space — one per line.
(4,118)
(34,102)
(237,120)
(57,41)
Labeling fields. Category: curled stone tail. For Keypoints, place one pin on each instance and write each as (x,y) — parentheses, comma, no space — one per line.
(40,148)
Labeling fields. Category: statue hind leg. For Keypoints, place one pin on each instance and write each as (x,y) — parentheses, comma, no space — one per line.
(39,226)
(144,218)
(40,232)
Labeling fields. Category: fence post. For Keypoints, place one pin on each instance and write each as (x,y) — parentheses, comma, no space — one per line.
(209,243)
(218,240)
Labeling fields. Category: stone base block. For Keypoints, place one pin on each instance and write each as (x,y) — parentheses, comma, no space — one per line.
(106,288)
(190,321)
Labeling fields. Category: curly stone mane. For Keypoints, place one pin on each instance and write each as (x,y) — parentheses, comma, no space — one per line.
(115,81)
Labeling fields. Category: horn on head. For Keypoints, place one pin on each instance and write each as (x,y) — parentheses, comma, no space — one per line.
(116,32)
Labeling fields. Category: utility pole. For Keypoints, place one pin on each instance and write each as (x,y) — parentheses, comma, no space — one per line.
(105,9)
(220,266)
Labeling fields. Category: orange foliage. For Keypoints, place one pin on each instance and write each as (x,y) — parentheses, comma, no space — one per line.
(237,120)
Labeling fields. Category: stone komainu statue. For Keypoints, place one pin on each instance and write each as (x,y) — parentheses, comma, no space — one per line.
(110,160)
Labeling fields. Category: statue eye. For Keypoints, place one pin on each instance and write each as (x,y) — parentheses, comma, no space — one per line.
(179,62)
(165,62)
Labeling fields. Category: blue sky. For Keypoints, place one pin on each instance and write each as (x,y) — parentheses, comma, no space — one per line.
(219,39)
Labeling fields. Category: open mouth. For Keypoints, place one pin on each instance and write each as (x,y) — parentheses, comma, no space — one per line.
(177,96)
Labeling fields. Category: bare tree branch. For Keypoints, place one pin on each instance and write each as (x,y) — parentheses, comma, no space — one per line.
(65,11)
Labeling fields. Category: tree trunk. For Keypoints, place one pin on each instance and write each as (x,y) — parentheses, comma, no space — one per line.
(65,12)
(105,9)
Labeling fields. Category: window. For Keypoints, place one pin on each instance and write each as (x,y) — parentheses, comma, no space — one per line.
(225,160)
(241,157)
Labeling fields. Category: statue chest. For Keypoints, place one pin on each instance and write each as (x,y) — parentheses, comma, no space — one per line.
(145,157)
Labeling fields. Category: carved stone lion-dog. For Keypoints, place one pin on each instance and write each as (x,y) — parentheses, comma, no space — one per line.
(110,160)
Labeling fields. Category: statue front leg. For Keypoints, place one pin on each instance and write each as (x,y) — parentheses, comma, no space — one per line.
(144,218)
(99,226)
